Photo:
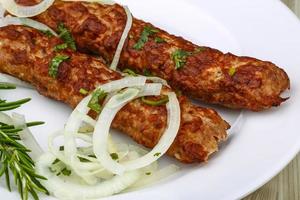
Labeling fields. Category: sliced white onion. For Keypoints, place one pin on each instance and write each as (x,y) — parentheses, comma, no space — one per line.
(151,89)
(10,79)
(132,166)
(6,119)
(101,133)
(25,21)
(26,11)
(166,139)
(27,137)
(122,41)
(237,125)
(69,190)
(158,80)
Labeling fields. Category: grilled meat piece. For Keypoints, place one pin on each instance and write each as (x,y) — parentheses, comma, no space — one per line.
(199,72)
(26,53)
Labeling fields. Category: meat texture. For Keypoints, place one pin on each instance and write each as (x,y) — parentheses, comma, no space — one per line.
(26,53)
(199,72)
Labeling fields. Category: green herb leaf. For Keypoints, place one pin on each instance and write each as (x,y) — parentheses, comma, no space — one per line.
(114,156)
(55,161)
(66,171)
(54,64)
(66,36)
(232,71)
(157,154)
(159,102)
(60,47)
(148,173)
(94,103)
(148,31)
(83,91)
(47,33)
(129,72)
(159,40)
(179,57)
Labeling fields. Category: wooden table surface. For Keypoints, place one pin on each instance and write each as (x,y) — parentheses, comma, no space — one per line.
(286,185)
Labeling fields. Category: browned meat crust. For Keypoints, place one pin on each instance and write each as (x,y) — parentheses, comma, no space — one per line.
(26,53)
(207,75)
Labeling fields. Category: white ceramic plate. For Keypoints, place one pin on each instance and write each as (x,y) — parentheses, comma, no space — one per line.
(267,141)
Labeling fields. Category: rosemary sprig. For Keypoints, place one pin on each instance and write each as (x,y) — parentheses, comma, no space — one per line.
(14,156)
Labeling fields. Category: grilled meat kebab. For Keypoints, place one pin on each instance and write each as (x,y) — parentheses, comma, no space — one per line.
(28,54)
(199,72)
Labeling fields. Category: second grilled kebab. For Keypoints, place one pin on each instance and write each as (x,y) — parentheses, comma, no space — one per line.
(199,72)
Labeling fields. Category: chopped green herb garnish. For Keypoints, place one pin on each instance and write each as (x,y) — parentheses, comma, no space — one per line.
(54,64)
(114,156)
(179,57)
(55,161)
(66,172)
(83,159)
(92,156)
(60,47)
(66,36)
(129,72)
(147,72)
(159,102)
(59,168)
(61,148)
(148,31)
(83,91)
(86,160)
(47,33)
(159,40)
(148,173)
(157,154)
(232,71)
(94,103)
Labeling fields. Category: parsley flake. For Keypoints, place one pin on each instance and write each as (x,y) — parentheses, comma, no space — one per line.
(148,31)
(94,103)
(54,64)
(83,91)
(66,36)
(180,57)
(60,47)
(148,173)
(114,156)
(159,40)
(232,71)
(66,172)
(157,154)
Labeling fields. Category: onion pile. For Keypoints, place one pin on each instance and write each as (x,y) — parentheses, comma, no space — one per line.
(102,174)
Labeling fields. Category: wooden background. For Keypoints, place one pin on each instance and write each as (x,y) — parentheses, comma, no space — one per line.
(286,185)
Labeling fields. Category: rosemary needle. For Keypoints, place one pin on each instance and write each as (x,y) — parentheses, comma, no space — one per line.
(14,156)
